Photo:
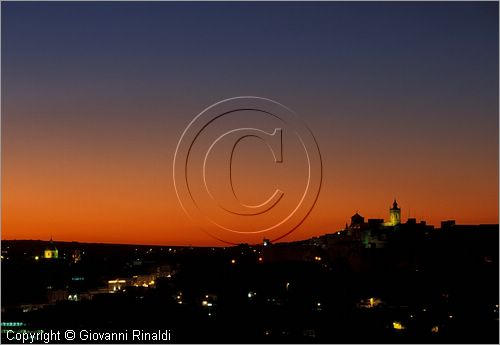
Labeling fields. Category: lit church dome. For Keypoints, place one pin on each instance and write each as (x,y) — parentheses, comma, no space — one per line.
(51,251)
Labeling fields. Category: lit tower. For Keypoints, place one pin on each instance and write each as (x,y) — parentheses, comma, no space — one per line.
(51,251)
(395,214)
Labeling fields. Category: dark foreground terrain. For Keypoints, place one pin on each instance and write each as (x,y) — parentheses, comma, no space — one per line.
(437,288)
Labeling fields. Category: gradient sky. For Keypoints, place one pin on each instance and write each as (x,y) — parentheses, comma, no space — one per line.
(401,97)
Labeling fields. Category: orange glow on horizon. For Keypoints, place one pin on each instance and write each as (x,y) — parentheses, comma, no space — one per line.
(125,202)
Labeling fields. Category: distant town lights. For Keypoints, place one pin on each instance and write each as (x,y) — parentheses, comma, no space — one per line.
(119,281)
(398,325)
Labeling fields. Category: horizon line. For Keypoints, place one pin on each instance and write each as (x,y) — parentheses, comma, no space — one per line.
(207,246)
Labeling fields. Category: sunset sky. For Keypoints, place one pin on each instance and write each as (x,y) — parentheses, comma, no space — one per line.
(402,99)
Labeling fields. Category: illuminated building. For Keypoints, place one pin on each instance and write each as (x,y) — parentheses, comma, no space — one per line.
(76,256)
(394,214)
(398,326)
(116,285)
(5,253)
(369,303)
(143,280)
(51,251)
(374,233)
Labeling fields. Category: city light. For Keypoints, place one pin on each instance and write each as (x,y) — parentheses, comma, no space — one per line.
(398,325)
